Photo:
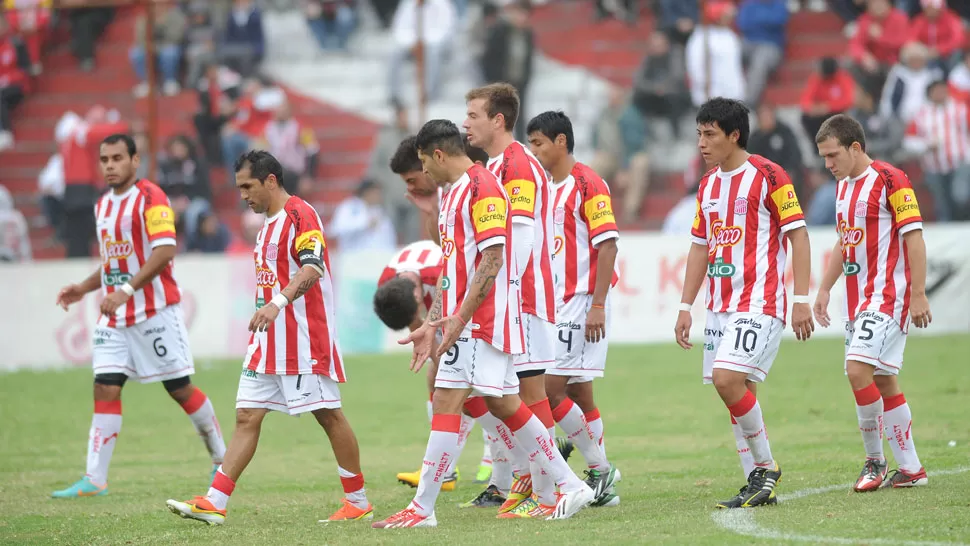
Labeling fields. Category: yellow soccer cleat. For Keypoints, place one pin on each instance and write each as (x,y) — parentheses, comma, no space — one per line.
(521,490)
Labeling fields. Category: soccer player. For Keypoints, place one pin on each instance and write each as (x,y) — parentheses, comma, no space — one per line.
(492,111)
(477,308)
(747,213)
(584,262)
(293,363)
(141,333)
(880,240)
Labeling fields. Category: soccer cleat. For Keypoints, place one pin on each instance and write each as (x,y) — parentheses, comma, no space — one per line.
(601,482)
(451,480)
(565,447)
(81,488)
(199,509)
(901,478)
(571,501)
(735,501)
(406,518)
(529,508)
(761,487)
(349,512)
(491,497)
(521,490)
(409,478)
(872,477)
(608,498)
(484,473)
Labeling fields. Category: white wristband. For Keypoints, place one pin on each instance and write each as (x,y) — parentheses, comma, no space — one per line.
(685,307)
(127,289)
(800,299)
(280,301)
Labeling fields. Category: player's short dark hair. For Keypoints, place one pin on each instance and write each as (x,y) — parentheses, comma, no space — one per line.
(405,158)
(500,98)
(552,124)
(474,153)
(843,129)
(394,303)
(440,134)
(261,164)
(122,137)
(729,114)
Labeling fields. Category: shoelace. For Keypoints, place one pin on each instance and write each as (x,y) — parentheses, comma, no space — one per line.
(756,480)
(871,468)
(403,515)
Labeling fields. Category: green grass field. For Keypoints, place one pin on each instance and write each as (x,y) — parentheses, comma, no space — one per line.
(668,433)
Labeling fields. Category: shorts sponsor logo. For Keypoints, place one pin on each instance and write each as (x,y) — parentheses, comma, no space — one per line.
(272,251)
(871,315)
(115,277)
(720,269)
(117,250)
(850,268)
(265,277)
(741,206)
(861,208)
(712,332)
(249,374)
(154,331)
(724,236)
(850,236)
(751,323)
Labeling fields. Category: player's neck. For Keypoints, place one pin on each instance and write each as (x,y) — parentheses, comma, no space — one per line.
(499,144)
(860,166)
(735,160)
(560,171)
(122,188)
(458,166)
(277,203)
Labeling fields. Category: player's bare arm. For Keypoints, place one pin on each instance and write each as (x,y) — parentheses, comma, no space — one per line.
(300,284)
(157,261)
(832,273)
(801,256)
(696,267)
(73,293)
(919,304)
(423,337)
(596,317)
(482,283)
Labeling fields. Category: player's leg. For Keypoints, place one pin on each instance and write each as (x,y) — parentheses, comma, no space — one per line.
(579,389)
(484,473)
(412,478)
(604,476)
(346,451)
(199,409)
(898,422)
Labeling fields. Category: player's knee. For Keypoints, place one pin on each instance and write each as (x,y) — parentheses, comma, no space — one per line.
(179,387)
(556,398)
(249,418)
(582,395)
(329,417)
(502,407)
(532,386)
(860,374)
(107,386)
(730,385)
(887,385)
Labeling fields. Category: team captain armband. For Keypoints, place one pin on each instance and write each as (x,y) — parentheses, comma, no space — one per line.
(905,207)
(786,203)
(160,222)
(309,247)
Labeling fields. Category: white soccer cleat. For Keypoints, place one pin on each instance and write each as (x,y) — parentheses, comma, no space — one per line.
(572,501)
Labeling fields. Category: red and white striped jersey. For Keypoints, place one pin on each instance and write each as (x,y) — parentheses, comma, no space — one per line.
(475,216)
(742,217)
(873,211)
(526,184)
(947,125)
(422,258)
(130,226)
(303,338)
(583,219)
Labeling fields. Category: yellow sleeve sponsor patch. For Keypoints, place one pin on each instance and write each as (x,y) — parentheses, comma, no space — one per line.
(904,204)
(489,213)
(308,241)
(522,195)
(697,218)
(786,202)
(599,211)
(158,220)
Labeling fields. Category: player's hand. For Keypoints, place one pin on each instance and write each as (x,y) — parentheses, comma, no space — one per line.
(595,325)
(451,327)
(919,309)
(422,340)
(682,329)
(425,203)
(801,321)
(69,295)
(263,317)
(113,301)
(822,308)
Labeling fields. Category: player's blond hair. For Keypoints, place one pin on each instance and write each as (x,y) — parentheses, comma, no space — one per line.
(500,98)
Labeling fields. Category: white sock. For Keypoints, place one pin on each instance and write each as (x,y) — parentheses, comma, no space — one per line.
(501,466)
(442,448)
(595,424)
(868,408)
(532,438)
(573,423)
(899,432)
(747,412)
(430,411)
(203,416)
(486,450)
(518,458)
(353,485)
(220,490)
(102,437)
(467,424)
(744,452)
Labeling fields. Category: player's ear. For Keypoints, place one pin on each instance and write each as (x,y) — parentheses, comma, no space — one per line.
(735,135)
(560,140)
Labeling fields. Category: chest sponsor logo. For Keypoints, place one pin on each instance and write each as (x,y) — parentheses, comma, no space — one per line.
(719,269)
(445,283)
(850,236)
(741,206)
(861,208)
(272,251)
(115,277)
(117,250)
(850,268)
(724,236)
(447,247)
(265,277)
(559,216)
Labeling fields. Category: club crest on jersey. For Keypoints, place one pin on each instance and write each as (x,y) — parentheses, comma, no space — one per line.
(861,208)
(451,217)
(723,236)
(117,250)
(741,206)
(126,223)
(447,247)
(559,216)
(851,236)
(272,251)
(265,278)
(558,244)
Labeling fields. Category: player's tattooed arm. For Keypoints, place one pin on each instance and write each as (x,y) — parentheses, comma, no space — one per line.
(302,282)
(436,306)
(483,281)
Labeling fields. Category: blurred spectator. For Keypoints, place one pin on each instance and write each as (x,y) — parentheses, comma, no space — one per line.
(403,214)
(905,90)
(848,10)
(509,52)
(776,141)
(940,29)
(478,34)
(253,111)
(680,219)
(882,30)
(293,144)
(14,81)
(715,50)
(243,42)
(217,90)
(660,84)
(960,79)
(961,7)
(827,92)
(361,223)
(169,33)
(884,134)
(251,223)
(438,24)
(87,25)
(762,26)
(14,238)
(31,20)
(50,181)
(821,206)
(331,22)
(212,237)
(939,134)
(678,19)
(185,180)
(140,135)
(200,37)
(620,144)
(621,10)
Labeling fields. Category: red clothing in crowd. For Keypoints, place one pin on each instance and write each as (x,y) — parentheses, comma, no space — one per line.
(80,152)
(30,19)
(251,120)
(945,34)
(11,73)
(893,33)
(836,93)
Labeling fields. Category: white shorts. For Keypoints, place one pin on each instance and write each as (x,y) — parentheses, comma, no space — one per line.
(875,339)
(292,394)
(540,345)
(579,379)
(473,363)
(156,349)
(575,356)
(742,342)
